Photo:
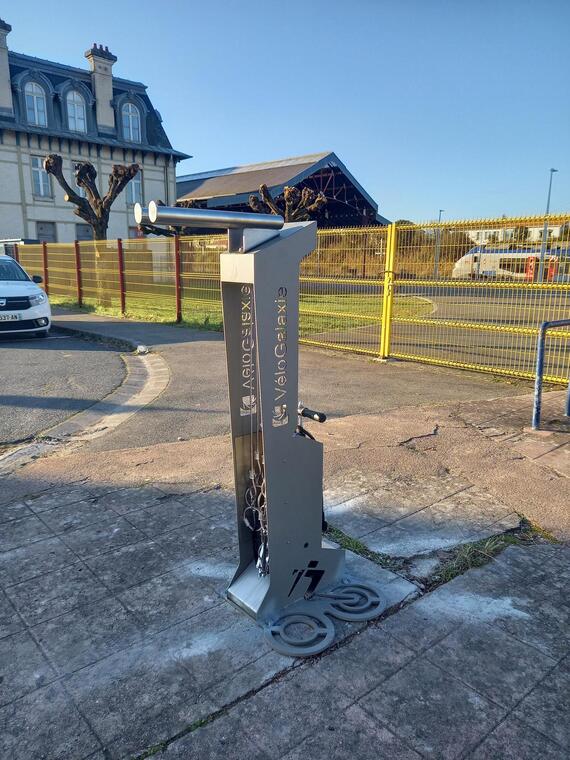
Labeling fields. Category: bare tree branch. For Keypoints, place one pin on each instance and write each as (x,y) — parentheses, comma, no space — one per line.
(93,209)
(294,205)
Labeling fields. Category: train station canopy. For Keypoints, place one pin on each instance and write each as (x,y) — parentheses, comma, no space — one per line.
(348,203)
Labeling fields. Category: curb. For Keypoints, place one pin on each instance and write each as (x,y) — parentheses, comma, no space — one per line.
(124,344)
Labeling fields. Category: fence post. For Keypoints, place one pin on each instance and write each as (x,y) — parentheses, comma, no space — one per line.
(45,264)
(177,282)
(78,274)
(121,275)
(388,295)
(16,253)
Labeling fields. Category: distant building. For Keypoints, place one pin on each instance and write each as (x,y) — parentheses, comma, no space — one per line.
(506,234)
(348,203)
(83,115)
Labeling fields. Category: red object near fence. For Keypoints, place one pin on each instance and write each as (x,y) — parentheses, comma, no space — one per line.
(78,273)
(177,282)
(121,275)
(45,263)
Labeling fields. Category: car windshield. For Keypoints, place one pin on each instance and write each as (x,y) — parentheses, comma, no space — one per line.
(11,272)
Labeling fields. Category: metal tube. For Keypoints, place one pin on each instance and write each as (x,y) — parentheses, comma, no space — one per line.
(173,216)
(537,402)
(141,214)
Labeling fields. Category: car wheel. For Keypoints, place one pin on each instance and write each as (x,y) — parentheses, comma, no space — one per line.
(42,334)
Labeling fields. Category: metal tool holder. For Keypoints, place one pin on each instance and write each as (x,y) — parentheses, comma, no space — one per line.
(290,578)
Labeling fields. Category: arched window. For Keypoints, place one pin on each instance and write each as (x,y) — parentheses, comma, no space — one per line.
(131,122)
(76,119)
(36,112)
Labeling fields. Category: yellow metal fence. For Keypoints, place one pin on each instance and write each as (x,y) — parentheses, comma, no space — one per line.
(468,294)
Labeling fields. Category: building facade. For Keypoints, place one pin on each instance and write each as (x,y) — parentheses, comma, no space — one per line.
(83,115)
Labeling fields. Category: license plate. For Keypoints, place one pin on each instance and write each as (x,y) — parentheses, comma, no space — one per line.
(10,317)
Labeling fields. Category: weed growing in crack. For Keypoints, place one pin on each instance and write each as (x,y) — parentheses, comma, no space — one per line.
(356,546)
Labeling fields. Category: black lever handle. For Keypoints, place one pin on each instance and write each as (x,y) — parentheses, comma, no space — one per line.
(312,415)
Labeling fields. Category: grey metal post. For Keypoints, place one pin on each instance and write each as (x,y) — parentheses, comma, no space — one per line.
(290,578)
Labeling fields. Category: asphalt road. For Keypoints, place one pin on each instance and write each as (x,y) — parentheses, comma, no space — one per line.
(195,404)
(45,381)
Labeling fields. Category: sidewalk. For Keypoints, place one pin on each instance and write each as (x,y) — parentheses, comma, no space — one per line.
(116,640)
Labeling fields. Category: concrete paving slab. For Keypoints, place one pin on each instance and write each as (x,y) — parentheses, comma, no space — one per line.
(393,588)
(22,531)
(167,515)
(259,672)
(102,537)
(34,559)
(538,622)
(211,503)
(435,713)
(547,707)
(131,565)
(87,634)
(492,662)
(56,593)
(124,500)
(14,511)
(169,598)
(23,667)
(201,540)
(364,663)
(514,740)
(80,514)
(57,497)
(9,620)
(311,704)
(355,735)
(218,739)
(45,724)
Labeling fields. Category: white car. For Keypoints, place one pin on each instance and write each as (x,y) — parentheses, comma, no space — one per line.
(24,307)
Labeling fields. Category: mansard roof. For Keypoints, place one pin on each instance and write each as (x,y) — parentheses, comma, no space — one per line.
(56,78)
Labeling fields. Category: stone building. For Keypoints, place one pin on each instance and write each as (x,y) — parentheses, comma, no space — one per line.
(83,115)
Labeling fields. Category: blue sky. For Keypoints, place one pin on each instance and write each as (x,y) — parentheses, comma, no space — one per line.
(432,104)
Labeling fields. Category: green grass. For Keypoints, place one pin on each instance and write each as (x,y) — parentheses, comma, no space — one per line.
(328,312)
(339,312)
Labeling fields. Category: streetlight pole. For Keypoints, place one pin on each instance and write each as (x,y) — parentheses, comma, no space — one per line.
(545,228)
(437,246)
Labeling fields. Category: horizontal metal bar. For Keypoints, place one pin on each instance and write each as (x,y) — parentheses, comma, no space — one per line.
(173,216)
(474,326)
(477,367)
(338,346)
(342,281)
(497,221)
(349,315)
(507,285)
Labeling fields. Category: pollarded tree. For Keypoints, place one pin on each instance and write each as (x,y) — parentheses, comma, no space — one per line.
(93,209)
(294,205)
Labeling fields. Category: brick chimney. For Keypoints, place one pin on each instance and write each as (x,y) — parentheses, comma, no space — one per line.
(101,62)
(6,106)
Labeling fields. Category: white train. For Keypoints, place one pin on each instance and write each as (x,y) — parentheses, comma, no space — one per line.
(522,264)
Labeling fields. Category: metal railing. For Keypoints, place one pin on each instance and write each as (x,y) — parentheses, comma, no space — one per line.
(540,351)
(461,294)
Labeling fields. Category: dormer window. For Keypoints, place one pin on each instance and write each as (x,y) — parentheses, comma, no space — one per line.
(131,122)
(36,112)
(76,119)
